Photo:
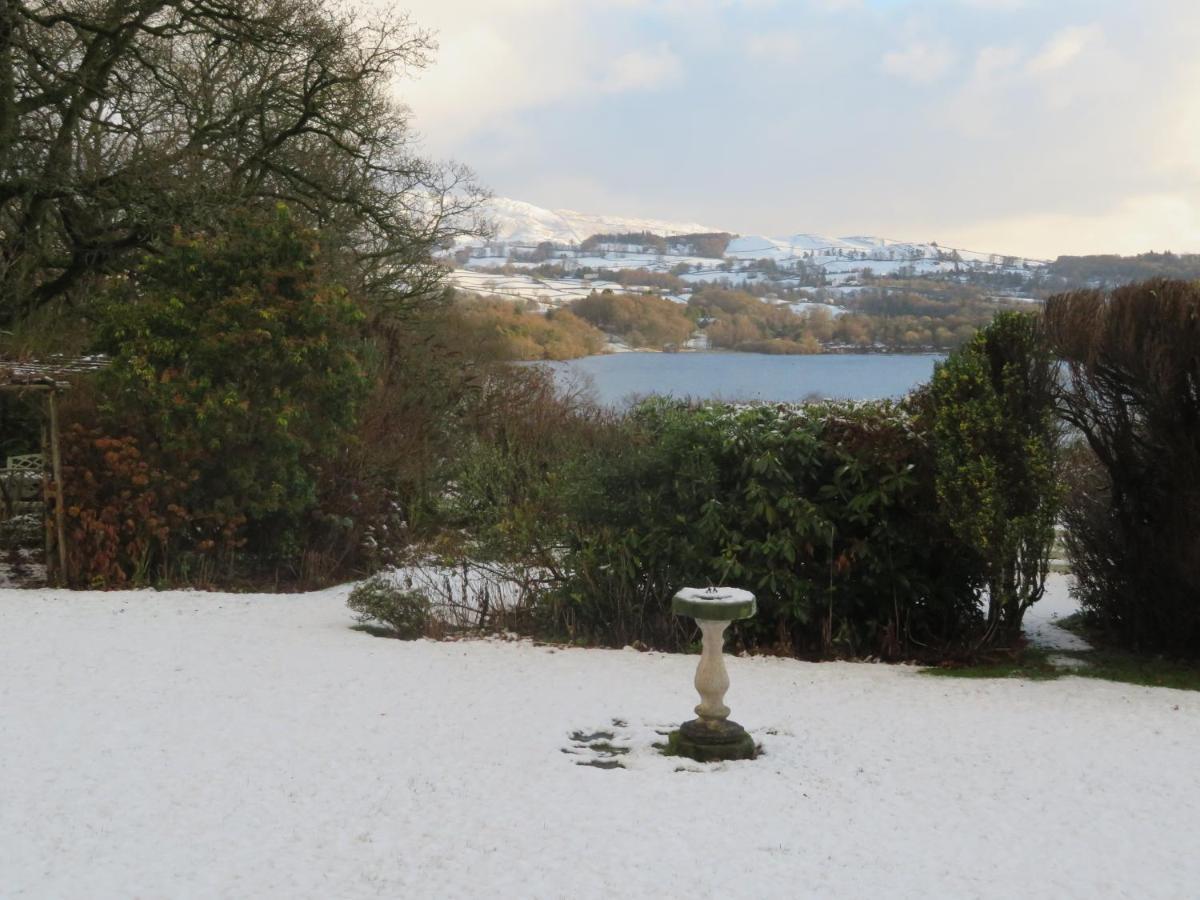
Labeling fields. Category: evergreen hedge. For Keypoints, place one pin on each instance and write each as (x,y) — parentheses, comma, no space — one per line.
(865,529)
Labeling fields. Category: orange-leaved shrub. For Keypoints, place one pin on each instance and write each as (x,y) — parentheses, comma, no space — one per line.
(126,514)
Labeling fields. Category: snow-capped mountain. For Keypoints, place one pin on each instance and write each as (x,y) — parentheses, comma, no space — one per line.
(517,222)
(815,246)
(486,265)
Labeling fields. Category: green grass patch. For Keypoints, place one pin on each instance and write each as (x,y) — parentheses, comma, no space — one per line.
(1032,663)
(1077,625)
(1131,668)
(1108,664)
(1114,664)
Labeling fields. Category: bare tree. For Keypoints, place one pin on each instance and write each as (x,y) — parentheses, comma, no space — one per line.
(124,120)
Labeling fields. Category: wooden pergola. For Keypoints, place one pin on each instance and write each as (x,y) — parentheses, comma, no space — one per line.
(47,381)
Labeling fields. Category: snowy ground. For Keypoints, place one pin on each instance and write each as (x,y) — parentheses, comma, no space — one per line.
(548,291)
(207,745)
(1041,619)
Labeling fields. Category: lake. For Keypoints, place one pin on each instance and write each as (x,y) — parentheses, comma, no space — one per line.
(749,376)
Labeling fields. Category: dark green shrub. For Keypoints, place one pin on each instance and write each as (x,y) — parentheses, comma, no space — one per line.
(236,363)
(826,512)
(988,413)
(1133,512)
(379,599)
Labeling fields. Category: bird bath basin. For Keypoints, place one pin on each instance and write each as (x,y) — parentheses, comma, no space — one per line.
(712,736)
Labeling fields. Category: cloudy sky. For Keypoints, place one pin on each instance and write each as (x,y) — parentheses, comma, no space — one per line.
(1036,127)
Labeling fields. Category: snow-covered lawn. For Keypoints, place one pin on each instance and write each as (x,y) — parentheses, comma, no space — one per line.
(209,745)
(1041,619)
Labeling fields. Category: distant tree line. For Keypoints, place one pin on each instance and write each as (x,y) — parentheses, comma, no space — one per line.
(653,242)
(886,318)
(739,320)
(711,245)
(499,330)
(643,278)
(642,320)
(1112,271)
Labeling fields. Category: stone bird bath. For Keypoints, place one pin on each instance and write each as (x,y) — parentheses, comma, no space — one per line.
(712,736)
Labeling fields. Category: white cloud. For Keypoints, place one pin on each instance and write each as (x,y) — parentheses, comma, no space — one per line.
(1002,5)
(919,62)
(1043,138)
(499,58)
(995,62)
(1177,151)
(481,76)
(1010,84)
(689,8)
(1064,48)
(835,6)
(775,45)
(644,69)
(1133,225)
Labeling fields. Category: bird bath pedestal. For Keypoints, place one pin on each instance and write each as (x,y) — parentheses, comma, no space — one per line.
(712,736)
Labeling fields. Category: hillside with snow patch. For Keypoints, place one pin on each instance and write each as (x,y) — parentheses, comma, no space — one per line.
(503,263)
(520,224)
(517,222)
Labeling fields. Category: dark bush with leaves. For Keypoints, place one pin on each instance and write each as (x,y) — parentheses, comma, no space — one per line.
(127,519)
(988,413)
(236,366)
(827,512)
(1133,512)
(379,599)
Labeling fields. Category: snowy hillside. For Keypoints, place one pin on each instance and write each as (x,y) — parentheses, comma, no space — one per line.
(517,222)
(522,224)
(860,247)
(527,237)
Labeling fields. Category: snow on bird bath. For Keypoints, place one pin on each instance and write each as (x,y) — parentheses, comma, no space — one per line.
(717,604)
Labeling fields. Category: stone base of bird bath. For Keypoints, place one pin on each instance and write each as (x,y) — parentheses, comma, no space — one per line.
(712,736)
